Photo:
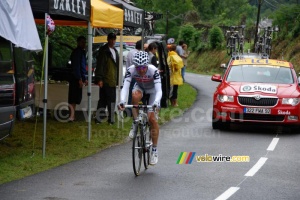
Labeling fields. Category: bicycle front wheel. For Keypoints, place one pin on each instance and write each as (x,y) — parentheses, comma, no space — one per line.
(137,151)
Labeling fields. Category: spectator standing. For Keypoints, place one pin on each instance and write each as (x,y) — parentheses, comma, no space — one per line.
(184,58)
(179,49)
(77,78)
(175,64)
(180,52)
(152,49)
(146,47)
(106,77)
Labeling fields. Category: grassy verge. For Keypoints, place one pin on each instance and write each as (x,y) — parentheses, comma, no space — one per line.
(21,154)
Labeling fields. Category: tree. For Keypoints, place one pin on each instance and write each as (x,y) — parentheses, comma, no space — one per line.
(287,19)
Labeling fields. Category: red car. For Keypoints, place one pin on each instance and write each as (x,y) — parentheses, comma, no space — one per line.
(256,91)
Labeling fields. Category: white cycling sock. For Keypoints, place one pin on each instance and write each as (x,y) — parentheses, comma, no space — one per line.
(154,148)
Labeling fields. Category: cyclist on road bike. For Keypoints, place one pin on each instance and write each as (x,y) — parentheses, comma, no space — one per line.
(148,81)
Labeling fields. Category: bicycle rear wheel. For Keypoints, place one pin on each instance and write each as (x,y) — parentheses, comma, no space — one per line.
(148,145)
(137,151)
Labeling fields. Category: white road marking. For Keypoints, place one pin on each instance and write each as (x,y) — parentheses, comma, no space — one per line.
(257,166)
(273,144)
(228,193)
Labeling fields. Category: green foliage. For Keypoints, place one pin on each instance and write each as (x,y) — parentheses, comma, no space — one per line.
(216,37)
(271,6)
(226,12)
(196,44)
(287,19)
(296,30)
(186,34)
(207,62)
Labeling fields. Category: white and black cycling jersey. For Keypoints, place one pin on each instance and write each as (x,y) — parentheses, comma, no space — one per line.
(150,81)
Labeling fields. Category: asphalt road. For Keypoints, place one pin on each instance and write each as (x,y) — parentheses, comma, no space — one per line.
(272,173)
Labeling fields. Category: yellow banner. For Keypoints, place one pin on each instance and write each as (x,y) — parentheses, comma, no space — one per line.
(103,39)
(255,61)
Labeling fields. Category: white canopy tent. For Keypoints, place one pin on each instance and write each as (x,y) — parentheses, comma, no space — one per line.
(17,24)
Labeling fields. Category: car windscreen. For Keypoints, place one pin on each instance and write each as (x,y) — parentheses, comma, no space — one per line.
(6,63)
(260,74)
(5,50)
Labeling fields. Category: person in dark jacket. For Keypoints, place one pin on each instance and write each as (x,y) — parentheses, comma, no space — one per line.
(152,49)
(106,77)
(77,78)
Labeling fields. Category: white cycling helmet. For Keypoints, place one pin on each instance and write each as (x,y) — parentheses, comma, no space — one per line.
(140,58)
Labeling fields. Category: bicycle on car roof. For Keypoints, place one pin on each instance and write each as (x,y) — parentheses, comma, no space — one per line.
(235,40)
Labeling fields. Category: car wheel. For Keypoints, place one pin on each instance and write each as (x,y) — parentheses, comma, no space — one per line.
(216,125)
(225,126)
(220,125)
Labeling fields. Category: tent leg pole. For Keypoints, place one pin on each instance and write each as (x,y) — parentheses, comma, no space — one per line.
(90,43)
(120,81)
(46,90)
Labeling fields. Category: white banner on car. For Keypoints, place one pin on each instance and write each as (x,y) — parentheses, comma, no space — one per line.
(271,89)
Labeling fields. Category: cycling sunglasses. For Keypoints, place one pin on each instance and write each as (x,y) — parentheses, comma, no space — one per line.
(141,67)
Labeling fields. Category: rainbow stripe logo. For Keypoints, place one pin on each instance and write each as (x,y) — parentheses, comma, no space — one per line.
(186,158)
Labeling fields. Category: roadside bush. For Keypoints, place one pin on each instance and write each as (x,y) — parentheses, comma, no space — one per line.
(216,37)
(186,34)
(196,43)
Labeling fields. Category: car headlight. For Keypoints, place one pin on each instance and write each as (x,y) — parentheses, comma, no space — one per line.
(225,98)
(290,101)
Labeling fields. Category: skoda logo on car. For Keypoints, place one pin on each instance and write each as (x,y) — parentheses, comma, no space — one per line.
(246,88)
(257,97)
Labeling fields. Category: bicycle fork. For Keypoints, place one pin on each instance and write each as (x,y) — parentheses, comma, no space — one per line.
(143,122)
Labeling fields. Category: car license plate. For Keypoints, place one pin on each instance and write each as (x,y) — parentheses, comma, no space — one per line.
(257,110)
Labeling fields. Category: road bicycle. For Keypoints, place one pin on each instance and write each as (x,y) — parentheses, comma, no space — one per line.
(268,40)
(235,41)
(263,45)
(259,46)
(242,40)
(141,142)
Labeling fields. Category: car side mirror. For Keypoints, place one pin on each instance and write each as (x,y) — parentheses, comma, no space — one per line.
(216,78)
(223,65)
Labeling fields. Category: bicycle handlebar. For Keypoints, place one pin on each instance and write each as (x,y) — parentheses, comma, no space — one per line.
(137,106)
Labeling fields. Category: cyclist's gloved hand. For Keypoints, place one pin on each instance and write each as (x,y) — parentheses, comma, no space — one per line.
(121,106)
(155,105)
